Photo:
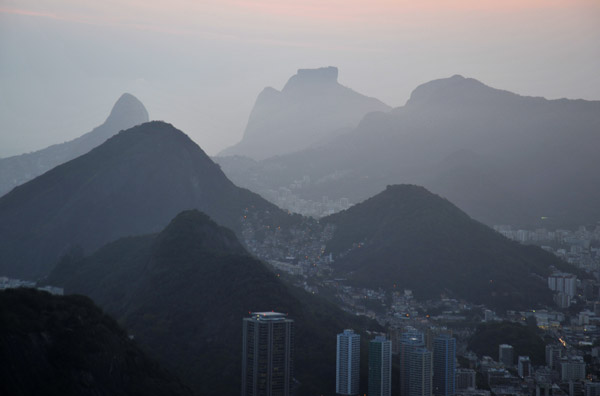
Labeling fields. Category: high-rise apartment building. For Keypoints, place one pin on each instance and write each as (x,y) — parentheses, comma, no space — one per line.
(395,335)
(562,282)
(267,355)
(592,389)
(431,333)
(524,366)
(506,355)
(380,367)
(409,341)
(553,355)
(572,368)
(419,381)
(465,378)
(444,365)
(347,367)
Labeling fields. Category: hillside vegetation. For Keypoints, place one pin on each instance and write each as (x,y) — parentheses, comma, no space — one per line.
(55,345)
(184,292)
(407,237)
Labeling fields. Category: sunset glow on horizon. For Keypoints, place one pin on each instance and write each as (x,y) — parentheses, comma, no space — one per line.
(157,12)
(227,51)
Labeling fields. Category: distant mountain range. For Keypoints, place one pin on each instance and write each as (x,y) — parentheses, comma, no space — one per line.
(123,223)
(501,157)
(132,184)
(409,238)
(184,292)
(55,345)
(312,108)
(138,180)
(127,112)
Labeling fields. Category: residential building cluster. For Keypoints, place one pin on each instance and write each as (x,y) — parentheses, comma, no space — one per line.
(8,283)
(286,198)
(580,247)
(417,329)
(422,370)
(426,364)
(298,251)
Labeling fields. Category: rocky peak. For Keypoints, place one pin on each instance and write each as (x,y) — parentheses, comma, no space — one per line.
(128,107)
(322,75)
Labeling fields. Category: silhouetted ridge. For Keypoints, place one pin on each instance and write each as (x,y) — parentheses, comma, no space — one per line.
(501,145)
(183,294)
(197,231)
(128,111)
(310,109)
(154,137)
(458,90)
(133,184)
(407,237)
(323,75)
(55,345)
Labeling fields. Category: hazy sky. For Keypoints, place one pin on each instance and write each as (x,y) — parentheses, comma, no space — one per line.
(200,64)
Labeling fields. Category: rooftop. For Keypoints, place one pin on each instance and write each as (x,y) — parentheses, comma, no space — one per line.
(268,316)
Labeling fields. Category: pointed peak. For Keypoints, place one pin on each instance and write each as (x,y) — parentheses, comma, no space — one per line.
(405,189)
(192,228)
(322,75)
(128,109)
(267,94)
(404,192)
(192,218)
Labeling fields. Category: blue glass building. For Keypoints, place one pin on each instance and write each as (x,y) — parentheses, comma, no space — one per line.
(444,365)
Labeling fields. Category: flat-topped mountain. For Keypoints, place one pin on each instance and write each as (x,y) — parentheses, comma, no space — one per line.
(408,238)
(16,170)
(55,345)
(501,157)
(183,294)
(132,184)
(311,108)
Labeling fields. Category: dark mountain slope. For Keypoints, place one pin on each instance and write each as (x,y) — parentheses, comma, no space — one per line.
(127,112)
(132,184)
(501,157)
(416,240)
(310,109)
(186,293)
(51,345)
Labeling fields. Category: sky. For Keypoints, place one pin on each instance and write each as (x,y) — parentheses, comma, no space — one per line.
(200,64)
